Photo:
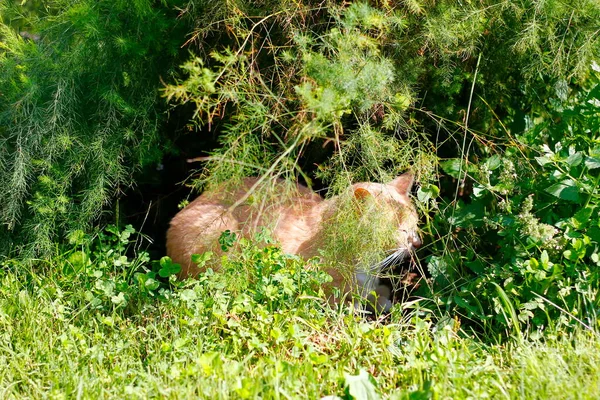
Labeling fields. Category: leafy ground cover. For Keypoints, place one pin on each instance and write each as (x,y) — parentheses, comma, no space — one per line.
(87,326)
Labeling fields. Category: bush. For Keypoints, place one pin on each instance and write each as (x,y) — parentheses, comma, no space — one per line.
(524,249)
(79,111)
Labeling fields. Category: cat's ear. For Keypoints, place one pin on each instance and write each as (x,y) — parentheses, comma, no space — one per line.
(403,183)
(361,193)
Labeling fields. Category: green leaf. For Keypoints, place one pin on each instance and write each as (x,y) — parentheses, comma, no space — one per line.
(165,261)
(318,359)
(543,160)
(575,159)
(570,255)
(227,240)
(544,258)
(360,387)
(477,266)
(479,190)
(151,284)
(594,233)
(465,304)
(127,232)
(453,167)
(534,264)
(427,192)
(592,162)
(531,305)
(201,259)
(119,300)
(168,267)
(565,190)
(493,162)
(468,215)
(582,217)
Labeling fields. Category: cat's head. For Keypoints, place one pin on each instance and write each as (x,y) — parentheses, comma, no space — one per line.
(393,199)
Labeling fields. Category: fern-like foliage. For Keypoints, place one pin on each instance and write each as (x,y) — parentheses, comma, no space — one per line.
(79,111)
(322,78)
(374,81)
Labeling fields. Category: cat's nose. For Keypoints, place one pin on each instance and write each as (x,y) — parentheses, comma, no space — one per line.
(416,241)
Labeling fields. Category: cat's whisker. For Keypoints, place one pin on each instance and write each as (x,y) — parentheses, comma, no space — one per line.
(396,256)
(386,261)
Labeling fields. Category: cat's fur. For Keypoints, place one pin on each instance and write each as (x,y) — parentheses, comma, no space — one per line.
(297,224)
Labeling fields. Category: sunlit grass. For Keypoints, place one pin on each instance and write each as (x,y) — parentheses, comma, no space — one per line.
(53,345)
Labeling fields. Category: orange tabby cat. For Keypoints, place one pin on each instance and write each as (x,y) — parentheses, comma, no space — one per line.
(297,224)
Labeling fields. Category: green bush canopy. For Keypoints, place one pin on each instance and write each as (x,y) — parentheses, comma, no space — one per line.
(80,110)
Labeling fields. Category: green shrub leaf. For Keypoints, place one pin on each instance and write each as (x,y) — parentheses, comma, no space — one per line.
(566,190)
(360,387)
(592,162)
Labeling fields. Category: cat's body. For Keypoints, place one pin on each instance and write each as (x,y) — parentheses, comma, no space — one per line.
(297,223)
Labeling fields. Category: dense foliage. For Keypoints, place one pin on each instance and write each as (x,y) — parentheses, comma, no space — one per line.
(529,233)
(79,111)
(494,104)
(382,86)
(504,93)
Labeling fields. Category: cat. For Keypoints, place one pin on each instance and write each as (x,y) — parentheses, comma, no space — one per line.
(299,224)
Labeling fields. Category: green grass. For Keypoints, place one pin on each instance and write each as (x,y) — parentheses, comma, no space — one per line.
(198,342)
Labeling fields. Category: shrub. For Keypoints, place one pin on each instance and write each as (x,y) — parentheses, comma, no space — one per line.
(79,111)
(524,249)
